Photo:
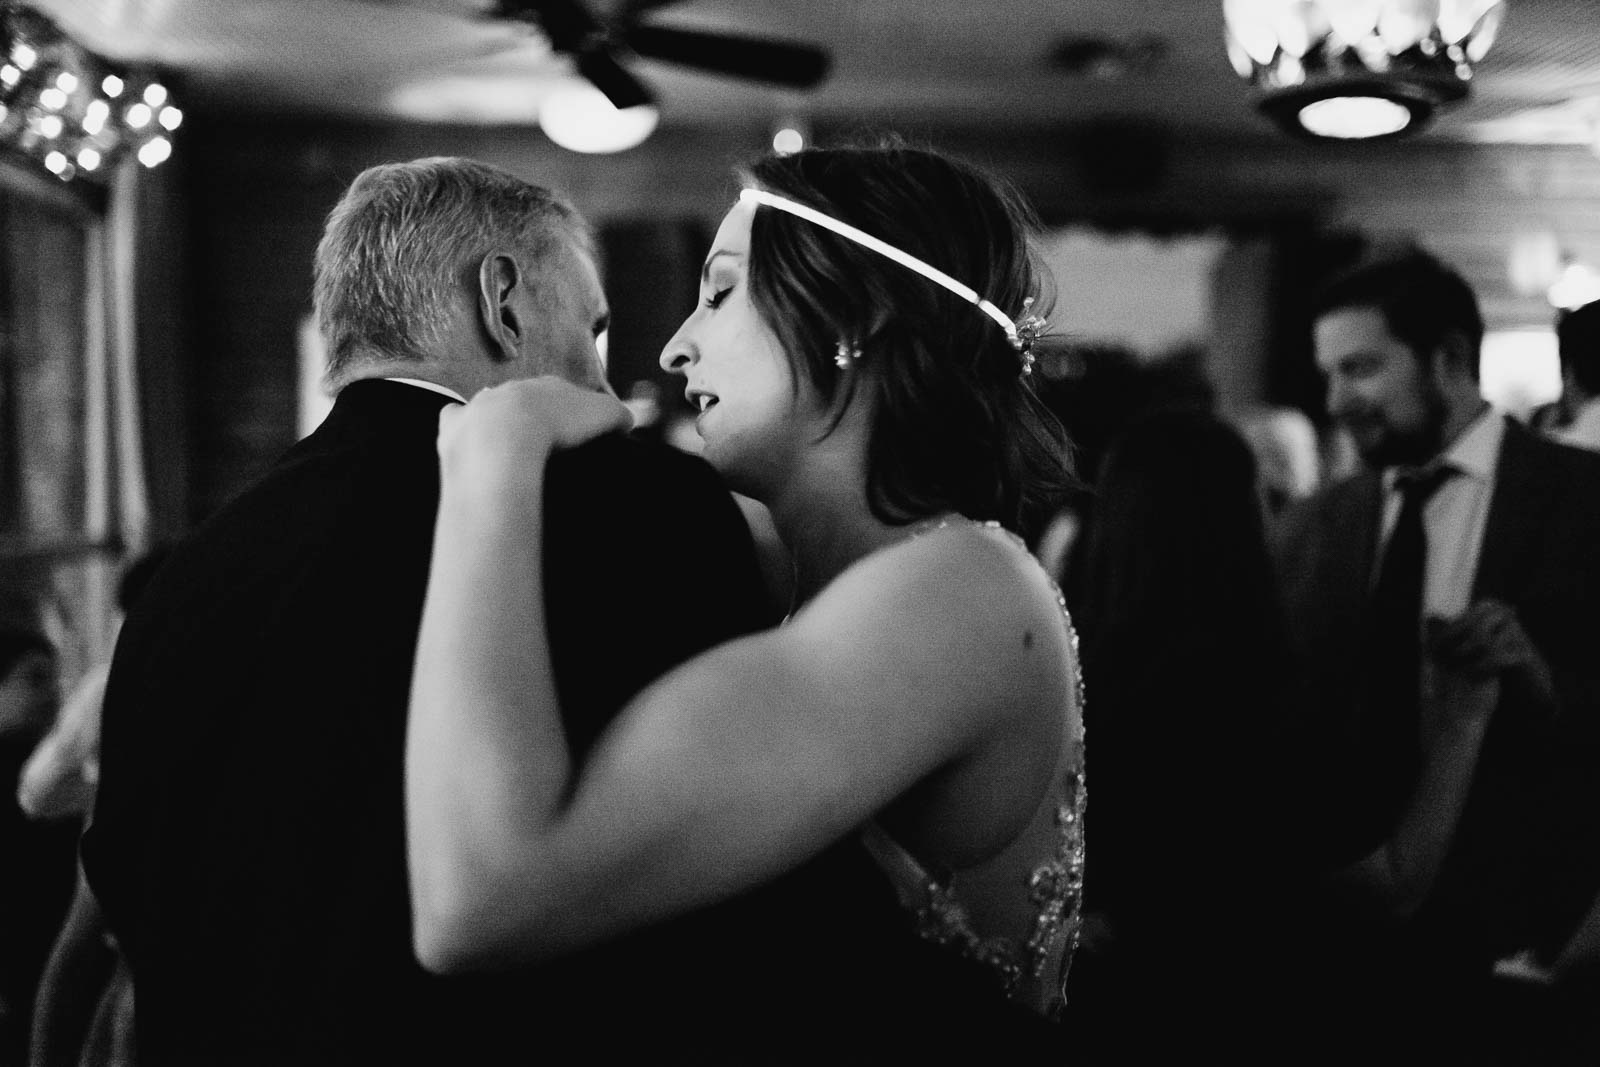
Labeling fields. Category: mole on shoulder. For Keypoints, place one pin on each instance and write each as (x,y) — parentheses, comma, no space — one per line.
(1027,639)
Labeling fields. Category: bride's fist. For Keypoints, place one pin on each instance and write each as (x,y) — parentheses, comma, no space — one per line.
(521,422)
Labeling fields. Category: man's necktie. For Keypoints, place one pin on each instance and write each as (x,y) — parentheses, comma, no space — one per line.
(1394,648)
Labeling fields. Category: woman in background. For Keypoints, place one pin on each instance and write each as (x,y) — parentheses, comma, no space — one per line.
(1184,645)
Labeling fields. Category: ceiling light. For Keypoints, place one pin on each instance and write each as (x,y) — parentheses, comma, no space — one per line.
(1354,117)
(1358,69)
(492,100)
(578,117)
(1579,284)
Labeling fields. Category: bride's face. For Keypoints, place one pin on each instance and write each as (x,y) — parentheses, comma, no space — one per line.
(753,421)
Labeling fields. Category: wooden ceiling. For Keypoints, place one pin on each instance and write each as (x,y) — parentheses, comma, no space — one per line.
(936,63)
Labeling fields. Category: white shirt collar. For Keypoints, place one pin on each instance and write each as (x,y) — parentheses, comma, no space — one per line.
(432,387)
(1474,452)
(1477,450)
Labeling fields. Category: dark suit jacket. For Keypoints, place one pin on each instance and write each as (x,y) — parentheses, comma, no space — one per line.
(1522,865)
(248,841)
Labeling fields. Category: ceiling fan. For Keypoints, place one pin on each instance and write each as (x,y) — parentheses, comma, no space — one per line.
(602,46)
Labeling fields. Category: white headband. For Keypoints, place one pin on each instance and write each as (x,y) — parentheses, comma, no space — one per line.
(905,259)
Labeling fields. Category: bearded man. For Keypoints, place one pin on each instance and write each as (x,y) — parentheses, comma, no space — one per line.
(1441,603)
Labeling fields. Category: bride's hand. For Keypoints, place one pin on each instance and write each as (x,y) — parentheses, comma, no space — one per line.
(517,425)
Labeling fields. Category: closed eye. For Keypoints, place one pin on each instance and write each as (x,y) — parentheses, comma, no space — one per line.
(715,300)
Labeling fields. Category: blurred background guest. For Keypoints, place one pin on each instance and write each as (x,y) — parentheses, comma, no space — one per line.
(37,858)
(1578,338)
(1185,665)
(1288,459)
(1460,567)
(83,1012)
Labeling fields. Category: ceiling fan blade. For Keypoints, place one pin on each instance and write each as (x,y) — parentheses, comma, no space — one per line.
(624,90)
(628,10)
(759,58)
(568,24)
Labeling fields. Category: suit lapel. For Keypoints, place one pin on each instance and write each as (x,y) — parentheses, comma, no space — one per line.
(1527,488)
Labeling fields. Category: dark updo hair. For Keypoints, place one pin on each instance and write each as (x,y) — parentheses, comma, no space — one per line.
(957,426)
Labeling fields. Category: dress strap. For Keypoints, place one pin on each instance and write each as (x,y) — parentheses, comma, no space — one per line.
(911,880)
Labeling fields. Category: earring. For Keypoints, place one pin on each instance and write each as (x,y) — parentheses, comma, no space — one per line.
(844,352)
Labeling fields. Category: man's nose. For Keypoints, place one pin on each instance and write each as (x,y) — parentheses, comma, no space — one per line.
(1338,396)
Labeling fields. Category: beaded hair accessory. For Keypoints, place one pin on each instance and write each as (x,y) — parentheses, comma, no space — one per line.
(1022,335)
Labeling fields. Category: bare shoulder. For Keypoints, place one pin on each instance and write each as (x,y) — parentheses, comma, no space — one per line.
(965,612)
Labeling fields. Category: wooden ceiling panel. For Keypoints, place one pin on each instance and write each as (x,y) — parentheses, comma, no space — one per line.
(933,62)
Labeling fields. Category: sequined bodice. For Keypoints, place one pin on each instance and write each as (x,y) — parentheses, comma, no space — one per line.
(1031,965)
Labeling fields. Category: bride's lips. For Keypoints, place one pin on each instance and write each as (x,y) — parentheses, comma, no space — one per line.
(700,399)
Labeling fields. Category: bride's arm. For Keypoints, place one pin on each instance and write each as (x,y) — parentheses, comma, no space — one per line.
(481,652)
(732,768)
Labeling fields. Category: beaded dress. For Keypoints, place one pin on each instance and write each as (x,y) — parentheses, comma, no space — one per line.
(1030,965)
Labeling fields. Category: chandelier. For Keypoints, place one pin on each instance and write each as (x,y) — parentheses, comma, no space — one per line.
(1352,69)
(70,110)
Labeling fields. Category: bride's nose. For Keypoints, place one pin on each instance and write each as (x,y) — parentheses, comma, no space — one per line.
(679,355)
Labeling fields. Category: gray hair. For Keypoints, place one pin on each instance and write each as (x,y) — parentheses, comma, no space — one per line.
(406,237)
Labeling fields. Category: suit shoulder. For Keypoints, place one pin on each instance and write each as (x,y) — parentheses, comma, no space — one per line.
(1581,462)
(1336,499)
(636,473)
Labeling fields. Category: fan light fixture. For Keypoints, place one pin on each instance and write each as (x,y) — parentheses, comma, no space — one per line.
(1358,69)
(70,110)
(615,109)
(578,117)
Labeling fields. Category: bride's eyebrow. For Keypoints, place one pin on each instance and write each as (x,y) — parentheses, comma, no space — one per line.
(705,271)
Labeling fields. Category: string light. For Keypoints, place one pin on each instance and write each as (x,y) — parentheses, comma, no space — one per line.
(61,104)
(155,151)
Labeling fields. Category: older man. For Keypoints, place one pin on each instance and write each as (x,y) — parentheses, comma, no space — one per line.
(248,839)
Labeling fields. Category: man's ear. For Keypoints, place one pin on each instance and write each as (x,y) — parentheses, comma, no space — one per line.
(1454,358)
(503,322)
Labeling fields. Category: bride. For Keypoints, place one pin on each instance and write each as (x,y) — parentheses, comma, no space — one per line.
(860,358)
